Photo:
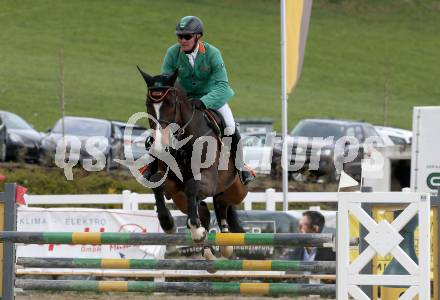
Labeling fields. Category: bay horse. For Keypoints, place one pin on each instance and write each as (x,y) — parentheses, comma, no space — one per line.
(167,102)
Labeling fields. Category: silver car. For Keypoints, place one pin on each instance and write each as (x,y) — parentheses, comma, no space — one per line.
(84,129)
(134,137)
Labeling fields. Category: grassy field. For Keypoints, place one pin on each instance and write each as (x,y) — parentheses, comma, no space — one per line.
(44,180)
(353,49)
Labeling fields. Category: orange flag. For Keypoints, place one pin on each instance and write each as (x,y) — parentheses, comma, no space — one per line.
(297,26)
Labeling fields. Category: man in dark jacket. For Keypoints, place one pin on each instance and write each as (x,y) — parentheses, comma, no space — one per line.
(312,222)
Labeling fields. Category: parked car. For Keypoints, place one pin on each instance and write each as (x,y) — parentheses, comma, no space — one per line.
(394,136)
(300,144)
(137,138)
(18,140)
(84,128)
(257,151)
(255,125)
(3,136)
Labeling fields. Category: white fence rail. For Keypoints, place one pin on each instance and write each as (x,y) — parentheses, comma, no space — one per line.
(131,201)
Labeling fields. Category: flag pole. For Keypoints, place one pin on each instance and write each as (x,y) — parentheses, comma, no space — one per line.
(284,162)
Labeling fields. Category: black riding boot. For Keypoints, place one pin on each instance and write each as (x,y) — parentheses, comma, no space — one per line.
(245,175)
(151,168)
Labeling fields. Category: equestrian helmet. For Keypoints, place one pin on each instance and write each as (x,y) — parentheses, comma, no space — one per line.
(189,25)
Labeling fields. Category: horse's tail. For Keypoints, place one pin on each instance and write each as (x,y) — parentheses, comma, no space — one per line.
(233,220)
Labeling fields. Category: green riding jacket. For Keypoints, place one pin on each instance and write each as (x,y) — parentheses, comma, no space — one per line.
(207,81)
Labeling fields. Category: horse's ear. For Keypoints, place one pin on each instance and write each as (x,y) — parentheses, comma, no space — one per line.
(146,77)
(173,76)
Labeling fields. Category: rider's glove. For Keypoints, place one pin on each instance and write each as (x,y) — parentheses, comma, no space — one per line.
(198,103)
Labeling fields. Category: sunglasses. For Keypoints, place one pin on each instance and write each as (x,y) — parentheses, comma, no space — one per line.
(185,36)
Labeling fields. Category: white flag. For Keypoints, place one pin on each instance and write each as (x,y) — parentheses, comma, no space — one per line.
(346,181)
(373,167)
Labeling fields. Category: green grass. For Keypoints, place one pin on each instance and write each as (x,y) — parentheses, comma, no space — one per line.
(350,44)
(43,181)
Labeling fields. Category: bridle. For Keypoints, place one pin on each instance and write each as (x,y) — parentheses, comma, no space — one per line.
(157,97)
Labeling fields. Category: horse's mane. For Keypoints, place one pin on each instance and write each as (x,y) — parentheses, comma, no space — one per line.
(181,94)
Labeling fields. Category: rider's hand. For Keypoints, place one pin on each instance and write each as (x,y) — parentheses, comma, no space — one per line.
(198,103)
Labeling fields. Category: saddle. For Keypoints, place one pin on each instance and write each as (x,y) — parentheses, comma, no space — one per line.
(216,122)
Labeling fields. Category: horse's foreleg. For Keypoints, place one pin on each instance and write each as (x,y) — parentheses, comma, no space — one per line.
(198,232)
(163,214)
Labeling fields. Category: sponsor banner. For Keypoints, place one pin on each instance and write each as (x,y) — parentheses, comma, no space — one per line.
(88,220)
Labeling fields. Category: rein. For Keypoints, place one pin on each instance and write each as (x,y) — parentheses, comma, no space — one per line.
(157,97)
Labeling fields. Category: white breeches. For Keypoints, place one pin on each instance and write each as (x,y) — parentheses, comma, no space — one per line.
(226,112)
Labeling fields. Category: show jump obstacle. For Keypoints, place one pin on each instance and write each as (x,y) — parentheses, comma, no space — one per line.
(383,238)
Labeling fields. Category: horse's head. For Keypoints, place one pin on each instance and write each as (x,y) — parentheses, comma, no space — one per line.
(161,92)
(162,101)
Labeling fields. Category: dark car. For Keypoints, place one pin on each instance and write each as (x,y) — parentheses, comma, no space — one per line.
(3,136)
(135,141)
(303,152)
(83,129)
(18,140)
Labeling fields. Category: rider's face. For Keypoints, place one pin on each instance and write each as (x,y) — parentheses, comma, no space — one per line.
(185,43)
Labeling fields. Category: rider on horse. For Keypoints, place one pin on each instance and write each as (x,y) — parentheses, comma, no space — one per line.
(202,74)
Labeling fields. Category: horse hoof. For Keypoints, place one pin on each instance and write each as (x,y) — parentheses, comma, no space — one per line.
(226,251)
(198,234)
(208,254)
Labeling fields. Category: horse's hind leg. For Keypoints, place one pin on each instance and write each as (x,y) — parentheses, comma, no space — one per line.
(226,202)
(163,214)
(221,213)
(205,216)
(205,219)
(221,210)
(226,214)
(233,220)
